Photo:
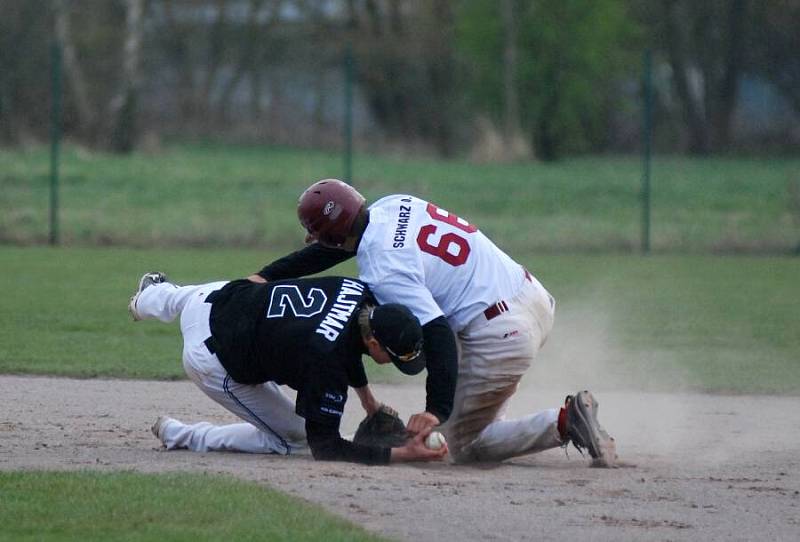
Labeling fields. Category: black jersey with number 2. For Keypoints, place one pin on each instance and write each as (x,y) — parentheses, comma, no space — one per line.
(302,333)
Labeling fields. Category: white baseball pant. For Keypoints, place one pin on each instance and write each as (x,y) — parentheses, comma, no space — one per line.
(493,355)
(272,425)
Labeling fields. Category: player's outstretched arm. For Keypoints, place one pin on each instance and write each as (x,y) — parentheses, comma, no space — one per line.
(368,401)
(415,450)
(312,259)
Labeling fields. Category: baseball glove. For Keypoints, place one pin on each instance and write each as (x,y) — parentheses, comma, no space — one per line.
(383,428)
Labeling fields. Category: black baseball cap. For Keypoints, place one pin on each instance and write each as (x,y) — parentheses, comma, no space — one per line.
(399,333)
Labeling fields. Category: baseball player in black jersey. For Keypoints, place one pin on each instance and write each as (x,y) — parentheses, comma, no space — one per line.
(243,340)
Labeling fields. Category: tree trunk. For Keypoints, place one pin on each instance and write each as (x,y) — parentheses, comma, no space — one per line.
(514,143)
(546,134)
(176,44)
(276,105)
(202,102)
(727,90)
(441,71)
(510,94)
(255,94)
(247,57)
(320,32)
(86,114)
(124,106)
(692,105)
(374,14)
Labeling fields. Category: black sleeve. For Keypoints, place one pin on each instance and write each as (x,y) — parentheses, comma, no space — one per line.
(356,374)
(327,445)
(321,402)
(314,258)
(442,365)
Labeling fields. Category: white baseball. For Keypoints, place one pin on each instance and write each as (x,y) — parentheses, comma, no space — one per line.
(435,440)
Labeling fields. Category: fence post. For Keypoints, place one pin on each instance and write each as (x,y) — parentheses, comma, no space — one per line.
(55,137)
(647,139)
(348,114)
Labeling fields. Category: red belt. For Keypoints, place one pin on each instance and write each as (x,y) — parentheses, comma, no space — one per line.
(493,311)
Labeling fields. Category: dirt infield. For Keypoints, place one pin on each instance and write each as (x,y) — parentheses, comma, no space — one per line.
(698,467)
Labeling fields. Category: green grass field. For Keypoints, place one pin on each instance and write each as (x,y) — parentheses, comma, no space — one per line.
(719,323)
(55,506)
(218,195)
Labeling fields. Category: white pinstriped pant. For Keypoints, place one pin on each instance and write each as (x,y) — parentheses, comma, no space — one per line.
(271,423)
(493,356)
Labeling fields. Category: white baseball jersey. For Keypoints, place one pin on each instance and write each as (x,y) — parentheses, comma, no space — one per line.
(434,262)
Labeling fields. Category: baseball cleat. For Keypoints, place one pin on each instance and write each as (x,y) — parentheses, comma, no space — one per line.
(585,431)
(147,280)
(158,428)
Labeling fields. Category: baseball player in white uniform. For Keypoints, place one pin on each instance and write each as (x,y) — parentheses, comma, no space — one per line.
(445,269)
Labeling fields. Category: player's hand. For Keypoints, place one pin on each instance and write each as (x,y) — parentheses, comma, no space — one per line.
(422,423)
(257,278)
(415,450)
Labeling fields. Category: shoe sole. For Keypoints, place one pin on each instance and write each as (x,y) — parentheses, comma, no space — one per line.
(132,307)
(135,297)
(601,446)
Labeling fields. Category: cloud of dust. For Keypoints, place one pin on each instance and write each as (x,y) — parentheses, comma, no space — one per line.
(585,350)
(643,395)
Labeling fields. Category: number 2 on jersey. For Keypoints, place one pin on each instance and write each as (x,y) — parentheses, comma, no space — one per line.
(289,296)
(448,240)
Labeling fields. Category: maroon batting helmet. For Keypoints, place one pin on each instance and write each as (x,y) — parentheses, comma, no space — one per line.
(328,209)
